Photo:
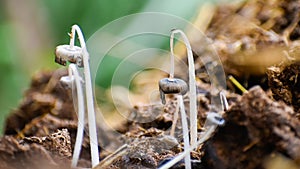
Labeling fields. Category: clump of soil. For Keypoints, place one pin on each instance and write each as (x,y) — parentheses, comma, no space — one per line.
(46,108)
(46,96)
(284,81)
(256,126)
(51,151)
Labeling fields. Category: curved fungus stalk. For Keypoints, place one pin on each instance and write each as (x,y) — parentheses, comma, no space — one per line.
(177,86)
(69,80)
(206,135)
(80,56)
(185,130)
(192,84)
(213,119)
(224,102)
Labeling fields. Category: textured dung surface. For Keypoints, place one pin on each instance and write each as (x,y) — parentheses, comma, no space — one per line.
(256,126)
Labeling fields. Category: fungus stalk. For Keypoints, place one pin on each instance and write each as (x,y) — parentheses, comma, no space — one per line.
(177,86)
(175,119)
(172,58)
(89,94)
(224,102)
(206,135)
(213,120)
(185,134)
(74,75)
(192,84)
(80,56)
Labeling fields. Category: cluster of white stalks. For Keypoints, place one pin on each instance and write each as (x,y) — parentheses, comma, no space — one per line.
(79,58)
(177,86)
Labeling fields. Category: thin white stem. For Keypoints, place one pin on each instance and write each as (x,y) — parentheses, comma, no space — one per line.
(73,72)
(72,36)
(89,98)
(223,101)
(185,134)
(206,135)
(172,56)
(175,119)
(192,86)
(76,28)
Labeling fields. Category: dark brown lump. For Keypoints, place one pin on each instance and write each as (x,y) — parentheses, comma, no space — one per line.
(284,81)
(256,126)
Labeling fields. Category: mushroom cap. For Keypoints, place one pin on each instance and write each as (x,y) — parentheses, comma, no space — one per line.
(64,53)
(173,86)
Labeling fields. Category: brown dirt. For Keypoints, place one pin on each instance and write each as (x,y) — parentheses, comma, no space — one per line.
(284,82)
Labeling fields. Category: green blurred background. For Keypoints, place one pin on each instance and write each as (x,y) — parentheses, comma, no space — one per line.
(31,29)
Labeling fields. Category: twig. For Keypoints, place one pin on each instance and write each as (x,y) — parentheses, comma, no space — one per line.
(237,84)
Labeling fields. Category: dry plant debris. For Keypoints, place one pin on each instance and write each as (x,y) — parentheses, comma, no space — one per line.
(284,81)
(256,126)
(52,151)
(46,107)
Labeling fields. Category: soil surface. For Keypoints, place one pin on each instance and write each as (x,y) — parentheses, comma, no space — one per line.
(258,44)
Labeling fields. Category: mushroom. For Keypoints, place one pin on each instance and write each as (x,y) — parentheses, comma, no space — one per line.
(80,56)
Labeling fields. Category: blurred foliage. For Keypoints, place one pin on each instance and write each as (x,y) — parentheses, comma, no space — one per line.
(58,16)
(90,15)
(11,78)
